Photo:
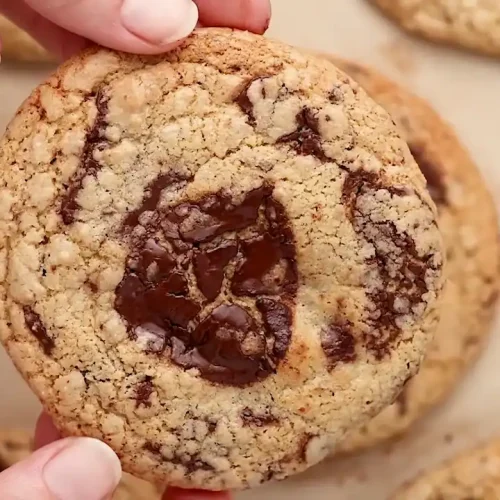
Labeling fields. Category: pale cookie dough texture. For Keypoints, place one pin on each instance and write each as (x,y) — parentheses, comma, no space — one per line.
(473,24)
(474,475)
(16,445)
(218,260)
(468,221)
(18,45)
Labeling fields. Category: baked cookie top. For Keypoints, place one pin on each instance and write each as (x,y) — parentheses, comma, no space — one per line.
(18,45)
(474,25)
(217,260)
(17,444)
(468,221)
(473,475)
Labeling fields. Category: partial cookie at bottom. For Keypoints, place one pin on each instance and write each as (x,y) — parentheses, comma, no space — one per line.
(468,221)
(17,444)
(472,475)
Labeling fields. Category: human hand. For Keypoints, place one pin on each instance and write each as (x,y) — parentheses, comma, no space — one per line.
(138,26)
(72,469)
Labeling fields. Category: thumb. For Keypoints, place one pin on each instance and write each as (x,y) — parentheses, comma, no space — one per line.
(139,26)
(70,469)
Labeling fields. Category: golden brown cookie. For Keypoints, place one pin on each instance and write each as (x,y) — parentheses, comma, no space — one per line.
(16,445)
(468,221)
(217,260)
(471,24)
(474,475)
(19,46)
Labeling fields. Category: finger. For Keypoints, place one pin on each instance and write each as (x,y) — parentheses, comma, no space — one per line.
(57,40)
(45,432)
(140,26)
(177,494)
(73,469)
(251,15)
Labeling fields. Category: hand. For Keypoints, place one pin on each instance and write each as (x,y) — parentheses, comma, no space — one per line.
(72,469)
(138,26)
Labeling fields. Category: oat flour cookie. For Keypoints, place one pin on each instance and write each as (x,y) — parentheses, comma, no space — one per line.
(218,260)
(467,219)
(471,24)
(16,445)
(473,475)
(19,46)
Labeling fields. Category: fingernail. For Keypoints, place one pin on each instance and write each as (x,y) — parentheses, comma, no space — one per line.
(159,22)
(86,469)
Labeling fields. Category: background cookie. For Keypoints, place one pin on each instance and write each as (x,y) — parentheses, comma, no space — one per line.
(467,219)
(474,474)
(19,46)
(217,260)
(474,25)
(16,445)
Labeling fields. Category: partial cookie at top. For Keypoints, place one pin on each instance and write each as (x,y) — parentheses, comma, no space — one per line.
(19,46)
(473,474)
(17,444)
(468,221)
(473,25)
(217,260)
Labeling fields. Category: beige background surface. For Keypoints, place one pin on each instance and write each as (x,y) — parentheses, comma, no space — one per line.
(466,89)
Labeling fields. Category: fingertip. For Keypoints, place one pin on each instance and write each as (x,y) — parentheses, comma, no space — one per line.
(45,431)
(179,494)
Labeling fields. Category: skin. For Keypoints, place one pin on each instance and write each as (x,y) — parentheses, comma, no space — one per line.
(138,26)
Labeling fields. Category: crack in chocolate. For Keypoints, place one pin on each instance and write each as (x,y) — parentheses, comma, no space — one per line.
(88,165)
(338,343)
(401,270)
(211,245)
(435,180)
(37,328)
(306,140)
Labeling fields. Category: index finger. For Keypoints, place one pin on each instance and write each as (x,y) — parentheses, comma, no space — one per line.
(251,15)
(178,494)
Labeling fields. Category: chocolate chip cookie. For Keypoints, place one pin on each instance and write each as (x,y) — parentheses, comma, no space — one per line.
(217,260)
(474,25)
(468,221)
(18,45)
(16,445)
(473,475)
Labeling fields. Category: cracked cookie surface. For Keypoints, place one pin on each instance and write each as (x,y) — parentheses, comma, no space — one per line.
(468,221)
(218,260)
(474,474)
(474,25)
(17,444)
(17,45)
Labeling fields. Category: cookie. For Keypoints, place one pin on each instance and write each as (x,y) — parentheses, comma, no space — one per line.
(474,474)
(468,221)
(16,445)
(217,260)
(19,46)
(473,25)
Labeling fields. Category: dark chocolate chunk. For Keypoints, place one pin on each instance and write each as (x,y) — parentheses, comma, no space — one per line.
(187,245)
(432,173)
(88,165)
(306,140)
(338,343)
(400,269)
(250,418)
(37,328)
(244,102)
(143,392)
